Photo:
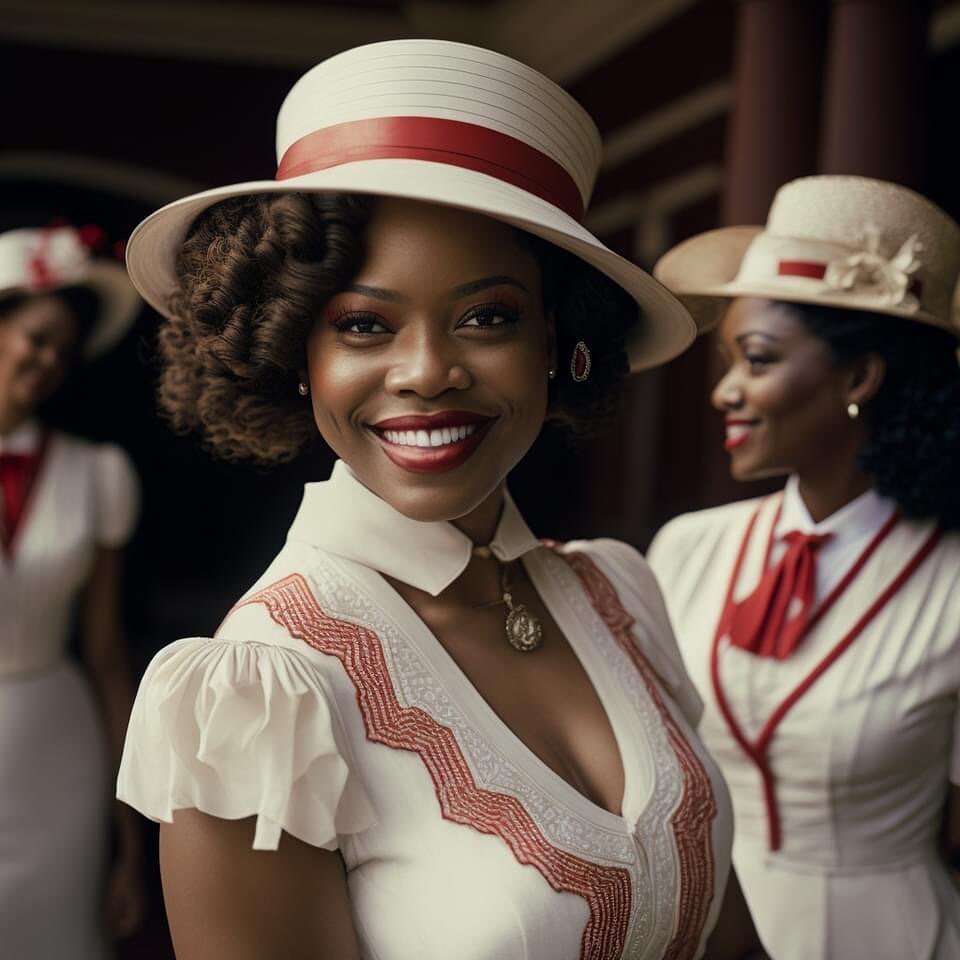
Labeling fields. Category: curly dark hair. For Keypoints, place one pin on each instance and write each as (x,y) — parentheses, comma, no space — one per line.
(254,273)
(912,448)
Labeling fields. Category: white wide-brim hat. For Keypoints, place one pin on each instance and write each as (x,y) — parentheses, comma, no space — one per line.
(444,123)
(39,261)
(841,241)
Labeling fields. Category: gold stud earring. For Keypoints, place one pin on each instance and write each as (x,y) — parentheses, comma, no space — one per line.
(303,389)
(853,410)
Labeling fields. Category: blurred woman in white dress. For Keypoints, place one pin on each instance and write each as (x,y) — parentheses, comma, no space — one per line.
(66,509)
(822,624)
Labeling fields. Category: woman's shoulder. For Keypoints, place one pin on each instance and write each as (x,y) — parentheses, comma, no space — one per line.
(637,594)
(689,531)
(103,458)
(618,560)
(719,519)
(248,722)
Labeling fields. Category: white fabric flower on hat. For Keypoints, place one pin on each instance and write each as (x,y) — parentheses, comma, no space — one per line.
(868,271)
(58,255)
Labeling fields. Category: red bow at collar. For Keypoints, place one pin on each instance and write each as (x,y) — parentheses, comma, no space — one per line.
(772,621)
(17,474)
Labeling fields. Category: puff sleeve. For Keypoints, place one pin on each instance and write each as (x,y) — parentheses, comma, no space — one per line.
(236,729)
(116,496)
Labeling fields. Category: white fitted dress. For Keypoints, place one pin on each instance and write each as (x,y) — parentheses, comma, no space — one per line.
(54,767)
(859,765)
(325,707)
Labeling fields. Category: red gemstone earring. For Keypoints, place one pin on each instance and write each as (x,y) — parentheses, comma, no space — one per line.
(580,362)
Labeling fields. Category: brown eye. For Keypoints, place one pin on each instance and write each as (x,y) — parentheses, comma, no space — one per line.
(490,315)
(757,362)
(363,324)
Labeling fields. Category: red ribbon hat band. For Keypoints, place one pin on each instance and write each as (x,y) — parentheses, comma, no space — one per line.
(438,140)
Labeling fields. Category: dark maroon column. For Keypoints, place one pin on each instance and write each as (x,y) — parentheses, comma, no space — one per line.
(874,118)
(776,107)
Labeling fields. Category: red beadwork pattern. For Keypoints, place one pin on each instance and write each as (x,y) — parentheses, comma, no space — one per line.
(692,818)
(607,890)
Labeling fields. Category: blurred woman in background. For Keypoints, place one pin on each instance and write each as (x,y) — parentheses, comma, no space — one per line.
(822,624)
(66,509)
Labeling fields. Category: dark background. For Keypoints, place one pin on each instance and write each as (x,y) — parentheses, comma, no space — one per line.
(111,108)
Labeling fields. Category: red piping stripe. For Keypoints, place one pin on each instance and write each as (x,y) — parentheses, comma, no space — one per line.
(757,751)
(607,890)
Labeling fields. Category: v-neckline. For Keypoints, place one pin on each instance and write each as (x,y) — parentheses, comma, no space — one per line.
(500,734)
(38,489)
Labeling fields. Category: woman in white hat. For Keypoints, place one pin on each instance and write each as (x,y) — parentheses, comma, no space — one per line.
(822,624)
(66,508)
(455,740)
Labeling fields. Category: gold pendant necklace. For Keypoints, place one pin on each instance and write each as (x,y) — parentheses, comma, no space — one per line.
(524,632)
(523,629)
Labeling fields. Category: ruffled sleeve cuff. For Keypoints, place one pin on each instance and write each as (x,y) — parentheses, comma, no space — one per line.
(237,729)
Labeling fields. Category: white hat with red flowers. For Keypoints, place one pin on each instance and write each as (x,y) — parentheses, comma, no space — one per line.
(842,241)
(445,123)
(47,259)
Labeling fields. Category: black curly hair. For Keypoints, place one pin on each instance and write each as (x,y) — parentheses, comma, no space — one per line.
(912,447)
(255,271)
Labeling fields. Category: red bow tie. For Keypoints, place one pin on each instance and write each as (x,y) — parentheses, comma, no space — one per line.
(771,622)
(17,473)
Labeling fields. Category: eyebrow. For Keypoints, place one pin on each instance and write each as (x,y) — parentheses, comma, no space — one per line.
(476,286)
(758,333)
(464,290)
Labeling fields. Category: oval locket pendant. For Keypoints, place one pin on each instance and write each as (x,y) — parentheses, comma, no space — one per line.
(523,629)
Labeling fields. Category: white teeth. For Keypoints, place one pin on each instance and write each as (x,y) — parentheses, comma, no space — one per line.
(429,438)
(737,430)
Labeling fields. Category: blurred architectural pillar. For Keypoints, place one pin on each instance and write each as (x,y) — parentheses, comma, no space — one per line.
(776,107)
(874,121)
(773,134)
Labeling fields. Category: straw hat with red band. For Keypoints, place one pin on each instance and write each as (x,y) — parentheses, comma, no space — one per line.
(444,123)
(44,260)
(840,241)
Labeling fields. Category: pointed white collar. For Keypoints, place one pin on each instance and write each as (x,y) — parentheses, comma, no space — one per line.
(346,519)
(24,439)
(859,518)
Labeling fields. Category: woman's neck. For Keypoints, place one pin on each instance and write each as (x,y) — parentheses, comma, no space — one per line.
(11,417)
(826,493)
(480,524)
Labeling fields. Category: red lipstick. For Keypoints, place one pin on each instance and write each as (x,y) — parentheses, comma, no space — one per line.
(432,443)
(738,431)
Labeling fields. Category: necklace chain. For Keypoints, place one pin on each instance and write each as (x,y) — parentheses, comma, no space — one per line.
(523,629)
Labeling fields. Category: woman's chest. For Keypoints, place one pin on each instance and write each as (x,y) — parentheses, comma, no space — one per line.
(53,550)
(870,697)
(469,815)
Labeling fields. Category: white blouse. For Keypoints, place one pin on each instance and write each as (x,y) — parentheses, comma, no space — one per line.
(859,764)
(325,707)
(86,495)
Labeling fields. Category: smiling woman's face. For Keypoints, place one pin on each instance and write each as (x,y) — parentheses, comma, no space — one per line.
(784,399)
(428,375)
(38,342)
